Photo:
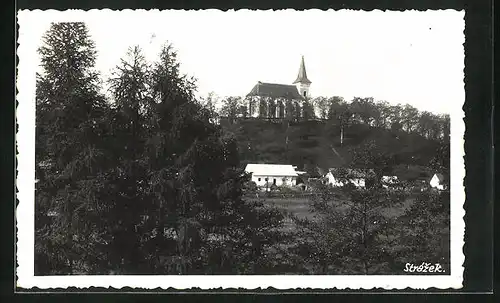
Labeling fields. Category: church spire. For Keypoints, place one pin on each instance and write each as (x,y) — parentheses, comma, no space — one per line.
(302,76)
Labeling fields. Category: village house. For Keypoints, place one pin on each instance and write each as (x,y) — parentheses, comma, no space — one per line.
(267,175)
(338,177)
(437,181)
(389,180)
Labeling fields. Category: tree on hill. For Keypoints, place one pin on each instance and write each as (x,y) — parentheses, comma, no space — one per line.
(321,103)
(410,117)
(396,118)
(364,109)
(210,102)
(71,153)
(232,108)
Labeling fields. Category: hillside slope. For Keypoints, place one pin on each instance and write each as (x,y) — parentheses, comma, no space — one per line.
(317,143)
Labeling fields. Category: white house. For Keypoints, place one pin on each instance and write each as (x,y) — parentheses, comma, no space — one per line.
(331,180)
(389,180)
(437,181)
(338,177)
(273,174)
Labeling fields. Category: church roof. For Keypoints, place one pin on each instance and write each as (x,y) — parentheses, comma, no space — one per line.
(302,76)
(275,91)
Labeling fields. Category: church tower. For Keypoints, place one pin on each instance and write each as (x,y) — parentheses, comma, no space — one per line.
(302,82)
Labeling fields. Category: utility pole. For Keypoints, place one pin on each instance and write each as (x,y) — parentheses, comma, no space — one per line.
(341,135)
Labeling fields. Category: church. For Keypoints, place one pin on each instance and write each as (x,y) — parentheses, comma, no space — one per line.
(280,101)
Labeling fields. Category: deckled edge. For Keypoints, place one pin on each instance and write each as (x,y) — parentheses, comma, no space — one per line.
(25,187)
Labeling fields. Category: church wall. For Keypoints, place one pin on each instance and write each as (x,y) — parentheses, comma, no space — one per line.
(301,87)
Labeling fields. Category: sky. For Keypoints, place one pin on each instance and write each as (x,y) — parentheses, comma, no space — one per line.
(400,57)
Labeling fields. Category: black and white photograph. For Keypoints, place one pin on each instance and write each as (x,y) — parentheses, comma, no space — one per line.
(240,149)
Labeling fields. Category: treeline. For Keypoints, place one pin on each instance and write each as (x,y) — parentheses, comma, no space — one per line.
(357,111)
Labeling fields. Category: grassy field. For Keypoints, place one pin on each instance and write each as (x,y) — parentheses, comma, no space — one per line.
(300,207)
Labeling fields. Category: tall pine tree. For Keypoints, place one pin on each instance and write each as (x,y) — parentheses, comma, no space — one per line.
(70,153)
(183,212)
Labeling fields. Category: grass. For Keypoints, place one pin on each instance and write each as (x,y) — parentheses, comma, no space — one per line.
(296,206)
(300,207)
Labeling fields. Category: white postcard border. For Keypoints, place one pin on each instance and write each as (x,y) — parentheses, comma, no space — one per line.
(25,210)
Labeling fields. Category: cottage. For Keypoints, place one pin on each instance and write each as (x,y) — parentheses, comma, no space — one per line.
(437,181)
(338,177)
(267,175)
(389,180)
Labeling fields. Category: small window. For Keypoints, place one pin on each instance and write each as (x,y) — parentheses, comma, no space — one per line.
(274,181)
(259,179)
(305,93)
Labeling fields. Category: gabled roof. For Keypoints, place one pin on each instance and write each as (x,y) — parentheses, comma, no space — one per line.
(352,172)
(439,176)
(302,76)
(271,170)
(274,90)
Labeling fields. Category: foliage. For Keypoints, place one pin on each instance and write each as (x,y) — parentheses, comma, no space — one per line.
(424,231)
(70,152)
(145,184)
(357,230)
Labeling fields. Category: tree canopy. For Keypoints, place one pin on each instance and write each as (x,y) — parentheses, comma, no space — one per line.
(142,183)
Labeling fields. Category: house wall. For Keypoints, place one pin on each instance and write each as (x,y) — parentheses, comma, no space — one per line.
(331,180)
(435,183)
(261,180)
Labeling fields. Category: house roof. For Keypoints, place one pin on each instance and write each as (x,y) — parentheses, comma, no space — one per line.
(439,176)
(271,170)
(352,172)
(302,76)
(275,91)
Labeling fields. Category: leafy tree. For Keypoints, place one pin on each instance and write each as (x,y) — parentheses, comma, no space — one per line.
(322,106)
(426,123)
(383,114)
(410,117)
(210,102)
(396,117)
(364,109)
(232,107)
(70,152)
(308,111)
(444,123)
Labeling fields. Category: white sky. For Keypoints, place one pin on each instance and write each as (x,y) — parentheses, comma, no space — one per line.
(401,57)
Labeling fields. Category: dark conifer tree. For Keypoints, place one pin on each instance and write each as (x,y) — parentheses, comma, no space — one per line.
(70,153)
